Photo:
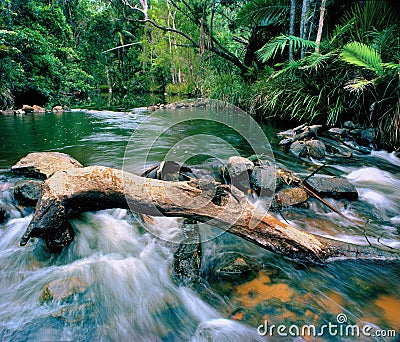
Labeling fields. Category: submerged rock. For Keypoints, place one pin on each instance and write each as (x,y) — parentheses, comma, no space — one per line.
(336,187)
(45,164)
(63,291)
(316,149)
(288,197)
(233,268)
(187,258)
(28,192)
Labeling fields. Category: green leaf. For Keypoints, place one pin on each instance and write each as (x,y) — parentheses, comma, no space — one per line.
(362,55)
(279,43)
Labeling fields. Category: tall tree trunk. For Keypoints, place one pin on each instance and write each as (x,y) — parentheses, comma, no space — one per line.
(320,25)
(303,23)
(291,27)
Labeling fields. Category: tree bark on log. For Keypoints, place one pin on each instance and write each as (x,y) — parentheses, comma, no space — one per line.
(74,191)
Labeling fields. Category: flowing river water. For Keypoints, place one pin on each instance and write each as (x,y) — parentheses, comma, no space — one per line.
(124,290)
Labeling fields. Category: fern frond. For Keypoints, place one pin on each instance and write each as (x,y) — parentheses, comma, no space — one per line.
(362,55)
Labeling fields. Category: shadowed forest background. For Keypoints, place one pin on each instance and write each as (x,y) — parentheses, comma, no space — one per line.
(322,61)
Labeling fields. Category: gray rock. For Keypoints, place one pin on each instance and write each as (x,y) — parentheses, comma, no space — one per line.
(288,197)
(237,165)
(286,134)
(45,164)
(316,149)
(338,131)
(299,149)
(367,136)
(28,192)
(349,124)
(264,180)
(336,187)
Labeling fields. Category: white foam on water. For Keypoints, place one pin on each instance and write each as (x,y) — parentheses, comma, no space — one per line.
(388,156)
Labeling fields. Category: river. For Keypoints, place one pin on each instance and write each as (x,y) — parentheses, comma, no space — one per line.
(124,271)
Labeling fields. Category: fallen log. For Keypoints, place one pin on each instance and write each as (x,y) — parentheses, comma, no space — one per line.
(74,191)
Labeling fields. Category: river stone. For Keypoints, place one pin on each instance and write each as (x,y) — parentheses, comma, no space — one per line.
(349,125)
(299,149)
(187,258)
(316,149)
(289,196)
(338,131)
(63,291)
(238,165)
(336,187)
(233,268)
(27,109)
(44,164)
(28,192)
(264,180)
(367,136)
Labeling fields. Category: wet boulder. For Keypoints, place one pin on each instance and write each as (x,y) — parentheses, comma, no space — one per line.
(265,180)
(38,109)
(44,164)
(316,149)
(237,166)
(187,258)
(349,125)
(233,268)
(58,109)
(367,136)
(288,197)
(299,149)
(27,109)
(335,187)
(28,192)
(335,131)
(64,290)
(237,172)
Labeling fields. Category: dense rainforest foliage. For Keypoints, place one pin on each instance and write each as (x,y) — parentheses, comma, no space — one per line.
(324,61)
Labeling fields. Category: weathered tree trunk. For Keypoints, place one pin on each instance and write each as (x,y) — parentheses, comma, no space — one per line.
(73,191)
(291,27)
(320,25)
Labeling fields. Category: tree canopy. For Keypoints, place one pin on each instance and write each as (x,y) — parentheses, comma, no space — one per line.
(303,60)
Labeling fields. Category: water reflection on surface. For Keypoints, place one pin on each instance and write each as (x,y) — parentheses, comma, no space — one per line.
(125,272)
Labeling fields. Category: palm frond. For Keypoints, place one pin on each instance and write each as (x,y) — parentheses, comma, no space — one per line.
(359,84)
(263,12)
(271,48)
(362,55)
